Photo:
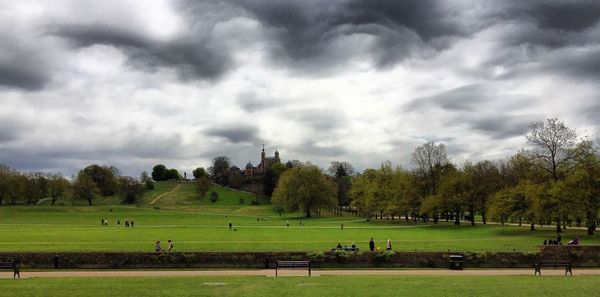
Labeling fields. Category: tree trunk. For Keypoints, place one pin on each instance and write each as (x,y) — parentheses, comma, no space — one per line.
(457,218)
(520,221)
(308,211)
(90,202)
(558,229)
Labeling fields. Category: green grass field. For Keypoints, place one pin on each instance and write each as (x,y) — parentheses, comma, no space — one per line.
(199,225)
(305,286)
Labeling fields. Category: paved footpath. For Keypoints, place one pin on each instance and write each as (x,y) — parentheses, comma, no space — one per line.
(271,272)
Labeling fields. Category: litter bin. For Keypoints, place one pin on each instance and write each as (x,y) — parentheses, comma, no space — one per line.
(456,262)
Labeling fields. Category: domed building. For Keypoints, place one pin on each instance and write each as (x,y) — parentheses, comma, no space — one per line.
(265,164)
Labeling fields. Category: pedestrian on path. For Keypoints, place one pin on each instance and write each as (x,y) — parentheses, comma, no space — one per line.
(372,245)
(388,245)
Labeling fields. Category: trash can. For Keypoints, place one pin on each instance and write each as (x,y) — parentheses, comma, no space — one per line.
(456,262)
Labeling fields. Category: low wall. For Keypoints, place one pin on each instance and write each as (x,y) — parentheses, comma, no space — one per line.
(582,257)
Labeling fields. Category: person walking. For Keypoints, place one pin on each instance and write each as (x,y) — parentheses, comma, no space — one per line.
(388,245)
(131,223)
(157,246)
(372,245)
(230,225)
(170,246)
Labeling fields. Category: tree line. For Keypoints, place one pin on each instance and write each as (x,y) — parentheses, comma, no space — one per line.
(556,181)
(90,183)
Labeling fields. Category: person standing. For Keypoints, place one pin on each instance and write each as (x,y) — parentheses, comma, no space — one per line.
(131,223)
(388,245)
(372,245)
(157,246)
(170,247)
(230,225)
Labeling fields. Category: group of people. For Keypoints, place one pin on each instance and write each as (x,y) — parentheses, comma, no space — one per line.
(558,241)
(158,248)
(372,248)
(128,223)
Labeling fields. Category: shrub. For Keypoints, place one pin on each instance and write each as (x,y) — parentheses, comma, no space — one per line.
(316,255)
(149,185)
(214,196)
(242,200)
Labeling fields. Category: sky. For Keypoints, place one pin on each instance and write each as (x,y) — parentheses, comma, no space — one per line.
(137,83)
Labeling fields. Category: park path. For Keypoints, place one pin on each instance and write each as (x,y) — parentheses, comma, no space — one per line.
(300,272)
(167,193)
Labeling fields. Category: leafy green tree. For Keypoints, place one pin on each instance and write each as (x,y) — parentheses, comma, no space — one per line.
(304,188)
(271,177)
(105,177)
(130,189)
(5,175)
(199,172)
(556,151)
(57,186)
(159,172)
(173,174)
(36,188)
(341,173)
(220,170)
(203,184)
(85,188)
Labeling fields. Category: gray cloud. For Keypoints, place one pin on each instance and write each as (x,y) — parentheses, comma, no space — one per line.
(22,66)
(466,98)
(319,119)
(236,133)
(503,126)
(190,56)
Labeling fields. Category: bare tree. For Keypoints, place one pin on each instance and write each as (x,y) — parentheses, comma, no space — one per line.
(555,147)
(430,160)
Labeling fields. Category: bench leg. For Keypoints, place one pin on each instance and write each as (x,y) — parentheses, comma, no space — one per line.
(569,271)
(537,270)
(275,271)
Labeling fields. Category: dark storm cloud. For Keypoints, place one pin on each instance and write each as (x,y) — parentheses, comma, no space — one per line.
(560,14)
(303,33)
(22,65)
(466,98)
(190,56)
(236,134)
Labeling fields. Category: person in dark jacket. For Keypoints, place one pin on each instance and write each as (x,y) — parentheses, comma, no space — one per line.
(372,245)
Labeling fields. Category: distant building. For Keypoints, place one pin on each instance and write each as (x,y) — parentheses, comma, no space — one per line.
(265,164)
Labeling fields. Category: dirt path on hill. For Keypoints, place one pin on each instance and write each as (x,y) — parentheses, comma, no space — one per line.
(163,194)
(301,272)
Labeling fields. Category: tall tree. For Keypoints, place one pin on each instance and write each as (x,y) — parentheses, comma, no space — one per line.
(84,187)
(159,172)
(173,174)
(304,188)
(429,160)
(105,177)
(220,170)
(555,151)
(203,184)
(130,189)
(57,186)
(341,173)
(199,172)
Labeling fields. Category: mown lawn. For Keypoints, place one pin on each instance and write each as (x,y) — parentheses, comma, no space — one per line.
(203,227)
(305,286)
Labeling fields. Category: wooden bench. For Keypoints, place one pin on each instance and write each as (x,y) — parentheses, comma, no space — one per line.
(12,266)
(292,265)
(567,264)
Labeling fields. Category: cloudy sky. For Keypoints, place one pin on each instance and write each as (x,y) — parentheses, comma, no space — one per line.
(135,83)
